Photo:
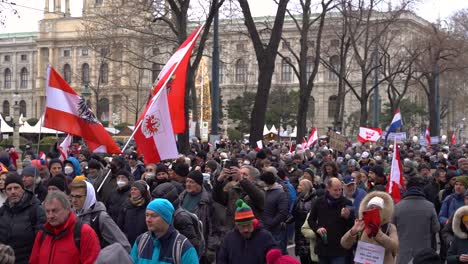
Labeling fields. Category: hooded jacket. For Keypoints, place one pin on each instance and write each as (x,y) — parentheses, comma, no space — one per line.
(449,206)
(76,166)
(388,238)
(19,225)
(108,229)
(59,245)
(460,241)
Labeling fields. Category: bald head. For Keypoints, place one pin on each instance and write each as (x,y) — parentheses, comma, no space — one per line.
(335,187)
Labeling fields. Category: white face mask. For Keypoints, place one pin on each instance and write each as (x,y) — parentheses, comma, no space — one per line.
(68,170)
(121,183)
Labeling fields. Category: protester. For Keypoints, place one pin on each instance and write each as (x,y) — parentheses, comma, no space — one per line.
(377,178)
(109,184)
(137,168)
(71,168)
(352,193)
(118,197)
(21,217)
(57,183)
(384,234)
(33,183)
(55,167)
(458,251)
(181,170)
(60,232)
(7,255)
(274,256)
(455,200)
(3,195)
(248,242)
(162,243)
(95,172)
(93,213)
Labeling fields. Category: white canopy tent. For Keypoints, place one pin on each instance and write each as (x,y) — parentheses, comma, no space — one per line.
(266,131)
(274,130)
(4,127)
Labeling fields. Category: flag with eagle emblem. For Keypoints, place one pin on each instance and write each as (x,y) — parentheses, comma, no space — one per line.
(68,112)
(155,137)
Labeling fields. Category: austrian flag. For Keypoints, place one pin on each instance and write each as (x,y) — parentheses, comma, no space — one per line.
(68,112)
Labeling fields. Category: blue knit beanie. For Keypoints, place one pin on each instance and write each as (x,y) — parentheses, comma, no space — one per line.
(163,208)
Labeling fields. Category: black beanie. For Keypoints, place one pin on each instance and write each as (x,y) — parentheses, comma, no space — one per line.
(197,176)
(58,181)
(378,170)
(125,173)
(268,177)
(161,168)
(14,179)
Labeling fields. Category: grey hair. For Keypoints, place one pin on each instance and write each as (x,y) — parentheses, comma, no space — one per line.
(253,172)
(59,196)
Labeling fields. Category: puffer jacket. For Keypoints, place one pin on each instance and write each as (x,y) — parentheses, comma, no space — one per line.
(132,220)
(110,184)
(387,238)
(276,208)
(459,245)
(19,225)
(300,211)
(116,200)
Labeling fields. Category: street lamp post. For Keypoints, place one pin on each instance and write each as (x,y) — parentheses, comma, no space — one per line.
(16,127)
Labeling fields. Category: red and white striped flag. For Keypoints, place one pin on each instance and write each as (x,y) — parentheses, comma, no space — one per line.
(68,112)
(155,136)
(64,147)
(454,138)
(427,136)
(174,75)
(313,137)
(369,134)
(396,175)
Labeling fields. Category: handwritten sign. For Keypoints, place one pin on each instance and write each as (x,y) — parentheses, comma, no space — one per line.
(337,141)
(369,253)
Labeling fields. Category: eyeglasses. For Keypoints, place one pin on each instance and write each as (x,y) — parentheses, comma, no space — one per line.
(76,196)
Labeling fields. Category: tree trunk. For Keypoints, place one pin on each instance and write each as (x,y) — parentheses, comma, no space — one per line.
(364,113)
(432,102)
(302,111)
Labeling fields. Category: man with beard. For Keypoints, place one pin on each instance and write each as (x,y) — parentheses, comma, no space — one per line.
(248,243)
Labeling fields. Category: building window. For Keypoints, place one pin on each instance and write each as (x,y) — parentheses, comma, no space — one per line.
(155,70)
(7,78)
(332,106)
(7,58)
(24,57)
(103,109)
(335,68)
(84,52)
(85,73)
(241,71)
(310,65)
(22,105)
(222,69)
(286,70)
(66,53)
(104,73)
(24,78)
(6,108)
(67,73)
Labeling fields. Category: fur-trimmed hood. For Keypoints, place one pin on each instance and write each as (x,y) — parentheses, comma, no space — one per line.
(388,209)
(457,222)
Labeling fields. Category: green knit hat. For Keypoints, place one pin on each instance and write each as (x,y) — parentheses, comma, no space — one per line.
(244,214)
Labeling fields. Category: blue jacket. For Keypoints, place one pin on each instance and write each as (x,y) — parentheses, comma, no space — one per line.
(449,206)
(76,166)
(292,194)
(159,251)
(358,196)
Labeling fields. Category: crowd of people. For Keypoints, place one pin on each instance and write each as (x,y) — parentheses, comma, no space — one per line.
(236,204)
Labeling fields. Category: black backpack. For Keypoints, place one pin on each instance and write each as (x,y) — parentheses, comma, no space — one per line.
(94,223)
(198,225)
(76,234)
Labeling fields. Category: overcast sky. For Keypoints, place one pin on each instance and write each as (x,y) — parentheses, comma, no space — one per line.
(31,11)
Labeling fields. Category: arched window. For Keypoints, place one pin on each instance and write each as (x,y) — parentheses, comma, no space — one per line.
(24,78)
(85,73)
(104,73)
(67,73)
(103,109)
(286,70)
(335,64)
(309,66)
(155,70)
(7,78)
(6,108)
(241,71)
(332,105)
(22,105)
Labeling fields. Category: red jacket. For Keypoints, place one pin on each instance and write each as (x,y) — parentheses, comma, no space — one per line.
(61,248)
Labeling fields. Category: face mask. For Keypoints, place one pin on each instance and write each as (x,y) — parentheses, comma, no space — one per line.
(121,183)
(68,170)
(150,176)
(378,158)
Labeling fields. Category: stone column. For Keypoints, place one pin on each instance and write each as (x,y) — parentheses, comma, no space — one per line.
(67,8)
(58,6)
(46,7)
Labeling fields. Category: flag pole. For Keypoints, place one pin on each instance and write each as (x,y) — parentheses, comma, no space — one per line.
(163,88)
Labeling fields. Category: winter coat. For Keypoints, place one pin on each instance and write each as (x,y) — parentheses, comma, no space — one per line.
(449,206)
(204,211)
(138,171)
(227,193)
(387,238)
(132,220)
(116,200)
(447,232)
(358,195)
(459,245)
(160,250)
(40,192)
(58,246)
(235,249)
(76,166)
(276,209)
(292,194)
(300,211)
(431,190)
(108,187)
(416,221)
(20,224)
(326,213)
(108,229)
(310,235)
